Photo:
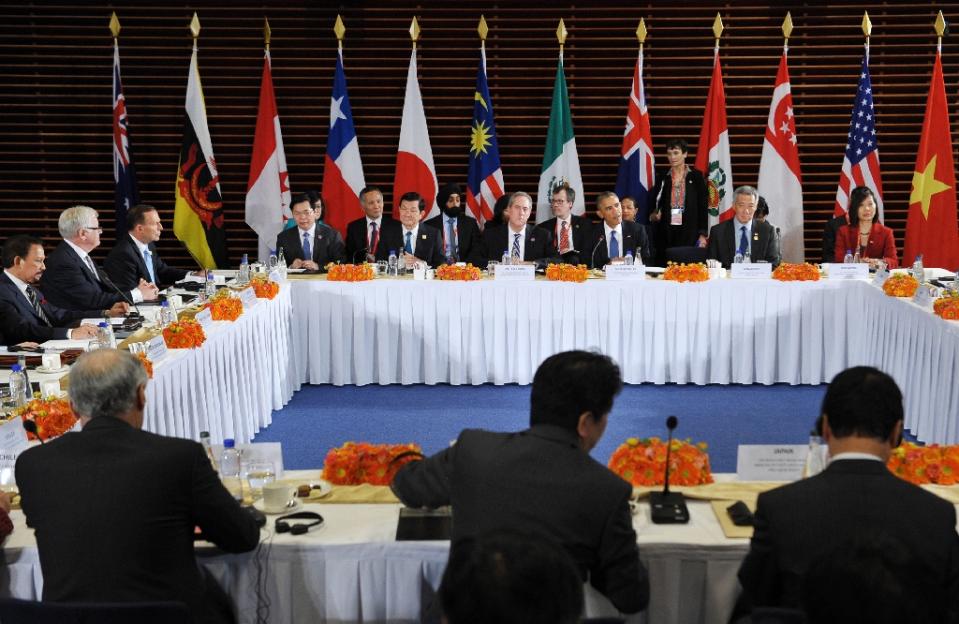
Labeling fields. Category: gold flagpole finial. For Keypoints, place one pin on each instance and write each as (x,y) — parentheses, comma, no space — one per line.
(718,28)
(115,25)
(561,34)
(339,29)
(788,26)
(866,25)
(941,26)
(195,26)
(414,32)
(641,32)
(266,33)
(482,29)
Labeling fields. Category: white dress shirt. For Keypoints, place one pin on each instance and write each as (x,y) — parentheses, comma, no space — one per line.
(619,239)
(135,295)
(511,236)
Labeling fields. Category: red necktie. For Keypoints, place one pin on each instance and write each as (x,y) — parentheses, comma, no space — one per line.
(564,238)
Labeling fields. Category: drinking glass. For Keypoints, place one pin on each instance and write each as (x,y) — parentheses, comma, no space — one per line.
(258,474)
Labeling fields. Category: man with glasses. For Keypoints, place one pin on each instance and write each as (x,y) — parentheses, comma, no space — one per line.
(311,245)
(570,232)
(72,280)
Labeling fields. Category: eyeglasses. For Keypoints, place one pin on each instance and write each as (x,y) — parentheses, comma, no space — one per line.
(93,229)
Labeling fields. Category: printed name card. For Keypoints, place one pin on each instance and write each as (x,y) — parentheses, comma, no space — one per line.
(923,296)
(751,270)
(625,272)
(837,270)
(880,277)
(156,348)
(248,297)
(770,462)
(205,319)
(515,272)
(13,441)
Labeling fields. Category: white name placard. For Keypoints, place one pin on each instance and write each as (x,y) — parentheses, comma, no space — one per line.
(625,272)
(751,270)
(13,441)
(515,272)
(856,270)
(156,348)
(923,296)
(205,319)
(770,462)
(248,297)
(880,277)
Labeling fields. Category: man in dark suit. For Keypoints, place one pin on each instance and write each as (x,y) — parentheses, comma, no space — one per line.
(570,233)
(72,280)
(311,245)
(461,237)
(543,480)
(744,235)
(25,316)
(612,239)
(797,524)
(114,507)
(364,237)
(134,258)
(523,242)
(414,241)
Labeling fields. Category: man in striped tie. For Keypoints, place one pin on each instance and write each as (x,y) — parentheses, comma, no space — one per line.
(523,242)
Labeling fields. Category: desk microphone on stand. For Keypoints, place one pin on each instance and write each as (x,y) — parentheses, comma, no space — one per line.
(31,427)
(106,278)
(592,256)
(668,507)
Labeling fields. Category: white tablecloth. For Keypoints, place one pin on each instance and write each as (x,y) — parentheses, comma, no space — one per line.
(719,332)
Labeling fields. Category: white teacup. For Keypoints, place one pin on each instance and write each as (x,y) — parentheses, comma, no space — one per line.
(277,496)
(51,361)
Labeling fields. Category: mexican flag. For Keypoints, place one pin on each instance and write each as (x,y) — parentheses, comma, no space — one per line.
(560,160)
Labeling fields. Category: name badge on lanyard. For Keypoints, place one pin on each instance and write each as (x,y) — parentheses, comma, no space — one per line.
(676,216)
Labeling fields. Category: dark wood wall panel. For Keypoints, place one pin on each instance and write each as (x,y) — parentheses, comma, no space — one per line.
(56,91)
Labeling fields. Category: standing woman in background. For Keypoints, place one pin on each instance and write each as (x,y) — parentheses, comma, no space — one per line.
(680,198)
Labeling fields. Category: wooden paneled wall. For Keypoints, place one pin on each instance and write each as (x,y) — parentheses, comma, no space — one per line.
(55,79)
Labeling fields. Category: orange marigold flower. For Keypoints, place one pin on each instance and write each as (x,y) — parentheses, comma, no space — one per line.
(184,334)
(681,272)
(900,285)
(53,417)
(787,272)
(567,272)
(361,462)
(452,272)
(643,462)
(349,273)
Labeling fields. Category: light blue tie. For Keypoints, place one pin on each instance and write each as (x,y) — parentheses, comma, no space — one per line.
(515,252)
(148,258)
(450,237)
(613,245)
(408,247)
(307,250)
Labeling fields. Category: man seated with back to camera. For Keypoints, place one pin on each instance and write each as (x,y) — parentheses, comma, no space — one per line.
(543,480)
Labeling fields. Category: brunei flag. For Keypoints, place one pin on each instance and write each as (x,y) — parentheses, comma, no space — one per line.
(198,216)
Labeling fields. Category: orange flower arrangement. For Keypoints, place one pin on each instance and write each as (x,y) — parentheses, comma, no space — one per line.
(361,462)
(567,272)
(264,288)
(53,417)
(350,273)
(686,272)
(925,464)
(147,364)
(643,462)
(788,272)
(900,285)
(947,307)
(184,334)
(224,307)
(452,272)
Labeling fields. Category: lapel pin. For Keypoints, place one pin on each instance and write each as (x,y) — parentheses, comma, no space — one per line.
(755,236)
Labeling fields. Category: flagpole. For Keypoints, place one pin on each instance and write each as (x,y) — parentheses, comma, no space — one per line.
(115,28)
(266,35)
(940,27)
(867,31)
(339,29)
(414,32)
(561,34)
(718,32)
(787,30)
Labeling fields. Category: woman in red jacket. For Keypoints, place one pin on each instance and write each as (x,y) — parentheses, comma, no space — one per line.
(872,239)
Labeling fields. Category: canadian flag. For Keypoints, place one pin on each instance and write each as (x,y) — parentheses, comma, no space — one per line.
(712,154)
(414,159)
(268,189)
(780,181)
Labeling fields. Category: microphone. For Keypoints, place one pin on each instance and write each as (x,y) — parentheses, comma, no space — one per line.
(31,427)
(592,256)
(106,278)
(358,251)
(668,507)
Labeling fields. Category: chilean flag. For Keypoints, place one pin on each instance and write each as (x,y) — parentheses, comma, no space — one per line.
(343,172)
(124,173)
(414,160)
(268,188)
(636,174)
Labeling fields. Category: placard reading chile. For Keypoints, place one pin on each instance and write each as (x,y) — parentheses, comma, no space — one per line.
(13,441)
(515,272)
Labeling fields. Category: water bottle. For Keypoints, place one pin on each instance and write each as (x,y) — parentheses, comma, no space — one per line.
(105,335)
(738,258)
(392,264)
(638,259)
(917,270)
(22,361)
(243,276)
(628,259)
(208,449)
(847,259)
(815,458)
(507,259)
(167,315)
(18,386)
(230,469)
(955,281)
(856,258)
(209,287)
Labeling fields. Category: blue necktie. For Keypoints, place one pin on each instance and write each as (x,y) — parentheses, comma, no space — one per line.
(515,252)
(148,258)
(307,250)
(743,241)
(613,245)
(450,237)
(408,247)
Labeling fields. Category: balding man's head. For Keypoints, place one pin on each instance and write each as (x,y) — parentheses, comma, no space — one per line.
(108,383)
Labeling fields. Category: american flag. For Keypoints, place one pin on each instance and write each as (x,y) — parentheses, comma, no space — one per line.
(636,176)
(124,174)
(860,166)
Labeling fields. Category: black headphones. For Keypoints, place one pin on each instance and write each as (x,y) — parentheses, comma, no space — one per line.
(299,528)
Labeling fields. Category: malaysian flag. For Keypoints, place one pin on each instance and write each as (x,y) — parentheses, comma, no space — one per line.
(636,175)
(860,166)
(484,182)
(125,194)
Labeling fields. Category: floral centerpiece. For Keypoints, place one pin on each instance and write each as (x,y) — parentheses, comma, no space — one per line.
(900,285)
(643,462)
(264,287)
(361,462)
(184,334)
(224,307)
(925,464)
(349,272)
(681,272)
(567,272)
(947,306)
(53,417)
(788,272)
(145,361)
(455,273)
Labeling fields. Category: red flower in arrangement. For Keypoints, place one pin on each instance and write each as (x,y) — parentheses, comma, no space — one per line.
(53,417)
(947,307)
(349,273)
(643,462)
(900,285)
(567,272)
(925,464)
(264,288)
(805,272)
(686,272)
(225,308)
(147,364)
(361,462)
(184,334)
(452,272)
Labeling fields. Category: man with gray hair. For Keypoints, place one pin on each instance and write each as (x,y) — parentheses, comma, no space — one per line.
(743,235)
(72,280)
(114,507)
(524,243)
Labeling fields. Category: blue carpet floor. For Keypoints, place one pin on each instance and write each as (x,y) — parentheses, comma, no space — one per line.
(320,417)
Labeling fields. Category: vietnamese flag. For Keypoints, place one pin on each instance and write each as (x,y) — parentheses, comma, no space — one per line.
(931,228)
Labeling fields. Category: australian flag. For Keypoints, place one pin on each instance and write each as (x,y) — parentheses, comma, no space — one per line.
(485,179)
(635,177)
(125,194)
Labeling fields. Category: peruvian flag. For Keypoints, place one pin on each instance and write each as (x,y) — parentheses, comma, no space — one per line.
(343,172)
(414,160)
(712,154)
(780,181)
(268,189)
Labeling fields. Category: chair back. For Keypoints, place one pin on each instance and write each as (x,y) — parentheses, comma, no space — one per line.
(14,611)
(686,254)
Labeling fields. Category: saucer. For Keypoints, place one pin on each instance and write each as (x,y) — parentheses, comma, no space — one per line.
(290,507)
(48,371)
